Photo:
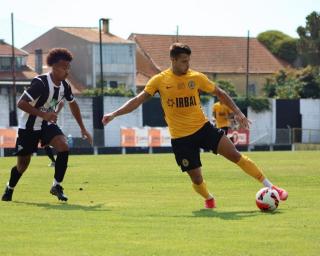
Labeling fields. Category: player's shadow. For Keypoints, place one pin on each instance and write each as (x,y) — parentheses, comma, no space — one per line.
(232,215)
(66,206)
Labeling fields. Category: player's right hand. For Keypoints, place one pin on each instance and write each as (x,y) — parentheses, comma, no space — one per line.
(51,117)
(107,118)
(242,120)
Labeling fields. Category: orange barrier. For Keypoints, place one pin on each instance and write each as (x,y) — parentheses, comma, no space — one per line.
(160,137)
(145,137)
(154,137)
(8,137)
(128,137)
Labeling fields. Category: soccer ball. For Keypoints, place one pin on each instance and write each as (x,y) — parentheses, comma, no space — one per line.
(267,199)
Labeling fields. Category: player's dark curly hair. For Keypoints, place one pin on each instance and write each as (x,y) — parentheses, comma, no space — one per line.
(57,54)
(179,48)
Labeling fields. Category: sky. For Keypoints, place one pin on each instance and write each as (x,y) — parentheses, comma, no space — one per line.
(32,18)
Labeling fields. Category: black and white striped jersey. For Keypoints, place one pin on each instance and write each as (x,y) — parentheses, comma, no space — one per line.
(45,96)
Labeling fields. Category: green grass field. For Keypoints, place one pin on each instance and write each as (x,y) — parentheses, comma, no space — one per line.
(143,205)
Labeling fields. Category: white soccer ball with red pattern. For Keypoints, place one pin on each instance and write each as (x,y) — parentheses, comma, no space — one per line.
(267,199)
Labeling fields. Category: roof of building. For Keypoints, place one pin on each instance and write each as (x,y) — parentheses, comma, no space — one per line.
(91,34)
(26,74)
(210,54)
(6,50)
(23,74)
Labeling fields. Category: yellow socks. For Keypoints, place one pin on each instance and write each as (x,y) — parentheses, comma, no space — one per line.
(250,168)
(202,190)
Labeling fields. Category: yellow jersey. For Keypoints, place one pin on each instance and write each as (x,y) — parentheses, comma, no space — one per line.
(180,100)
(222,113)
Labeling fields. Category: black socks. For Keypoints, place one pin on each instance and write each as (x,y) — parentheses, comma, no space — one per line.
(49,153)
(14,177)
(61,165)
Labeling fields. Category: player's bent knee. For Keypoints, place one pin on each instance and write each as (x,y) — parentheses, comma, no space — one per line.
(196,179)
(62,146)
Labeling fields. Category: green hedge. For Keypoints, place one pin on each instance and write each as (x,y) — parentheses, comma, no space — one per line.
(120,91)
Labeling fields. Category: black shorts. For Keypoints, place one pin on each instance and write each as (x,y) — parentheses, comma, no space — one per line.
(187,149)
(28,140)
(225,129)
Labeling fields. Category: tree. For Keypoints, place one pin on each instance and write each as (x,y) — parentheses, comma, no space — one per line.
(310,76)
(293,84)
(287,49)
(283,85)
(309,42)
(280,44)
(271,39)
(228,87)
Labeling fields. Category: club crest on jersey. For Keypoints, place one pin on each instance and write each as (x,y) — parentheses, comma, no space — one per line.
(191,84)
(185,162)
(52,106)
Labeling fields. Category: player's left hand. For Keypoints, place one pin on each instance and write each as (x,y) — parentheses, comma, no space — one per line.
(242,120)
(86,135)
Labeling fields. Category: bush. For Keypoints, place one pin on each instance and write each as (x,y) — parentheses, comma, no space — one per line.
(258,104)
(120,91)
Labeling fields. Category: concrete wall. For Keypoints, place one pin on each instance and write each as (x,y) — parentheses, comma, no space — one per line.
(4,111)
(262,129)
(310,112)
(112,130)
(67,122)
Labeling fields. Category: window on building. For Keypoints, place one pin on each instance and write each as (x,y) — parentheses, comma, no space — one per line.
(5,63)
(116,54)
(252,89)
(113,84)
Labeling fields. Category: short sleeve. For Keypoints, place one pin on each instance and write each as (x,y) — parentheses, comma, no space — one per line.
(206,85)
(68,92)
(153,85)
(214,108)
(35,90)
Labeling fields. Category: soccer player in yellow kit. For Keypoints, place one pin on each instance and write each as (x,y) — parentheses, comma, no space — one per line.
(222,115)
(189,128)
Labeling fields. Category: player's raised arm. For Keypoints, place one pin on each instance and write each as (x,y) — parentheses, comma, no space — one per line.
(127,107)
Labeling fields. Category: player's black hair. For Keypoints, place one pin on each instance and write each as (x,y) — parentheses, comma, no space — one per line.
(57,54)
(179,48)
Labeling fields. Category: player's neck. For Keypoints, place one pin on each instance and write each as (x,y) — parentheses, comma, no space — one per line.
(177,72)
(55,80)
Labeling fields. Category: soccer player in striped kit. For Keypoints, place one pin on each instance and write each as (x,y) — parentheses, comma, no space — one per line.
(38,121)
